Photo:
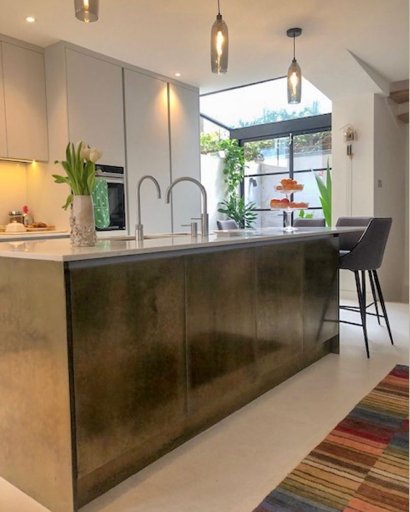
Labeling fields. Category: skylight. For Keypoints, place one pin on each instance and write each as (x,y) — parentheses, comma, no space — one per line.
(262,103)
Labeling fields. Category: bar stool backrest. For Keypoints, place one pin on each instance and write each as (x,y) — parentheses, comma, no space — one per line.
(227,224)
(348,240)
(368,253)
(309,223)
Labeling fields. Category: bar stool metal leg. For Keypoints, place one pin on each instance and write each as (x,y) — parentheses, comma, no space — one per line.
(362,304)
(374,296)
(380,293)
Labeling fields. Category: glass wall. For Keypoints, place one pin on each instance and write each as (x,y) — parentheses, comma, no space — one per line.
(300,157)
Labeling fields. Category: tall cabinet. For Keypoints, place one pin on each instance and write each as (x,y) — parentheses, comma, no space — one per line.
(141,121)
(147,138)
(162,139)
(185,153)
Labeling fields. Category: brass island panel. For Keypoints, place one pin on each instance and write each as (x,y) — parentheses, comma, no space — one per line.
(129,367)
(35,432)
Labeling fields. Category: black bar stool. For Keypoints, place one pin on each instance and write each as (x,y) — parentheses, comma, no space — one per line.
(346,243)
(367,255)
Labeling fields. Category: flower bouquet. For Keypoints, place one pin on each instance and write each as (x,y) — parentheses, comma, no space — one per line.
(79,167)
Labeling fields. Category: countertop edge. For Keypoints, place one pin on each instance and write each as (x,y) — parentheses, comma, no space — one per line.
(60,250)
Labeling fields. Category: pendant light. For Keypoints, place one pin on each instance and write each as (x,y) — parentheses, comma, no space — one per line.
(219,45)
(294,71)
(86,10)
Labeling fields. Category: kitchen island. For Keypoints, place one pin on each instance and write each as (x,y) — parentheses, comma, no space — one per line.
(113,355)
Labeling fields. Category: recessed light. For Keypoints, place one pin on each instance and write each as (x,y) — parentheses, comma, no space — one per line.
(30,19)
(177,74)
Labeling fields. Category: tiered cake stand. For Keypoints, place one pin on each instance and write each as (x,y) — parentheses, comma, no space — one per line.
(289,209)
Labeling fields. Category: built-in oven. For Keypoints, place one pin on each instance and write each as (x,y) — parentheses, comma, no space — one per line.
(109,198)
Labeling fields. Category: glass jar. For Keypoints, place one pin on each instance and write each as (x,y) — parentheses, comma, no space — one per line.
(16,216)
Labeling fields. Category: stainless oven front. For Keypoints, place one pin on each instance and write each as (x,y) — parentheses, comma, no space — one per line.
(109,204)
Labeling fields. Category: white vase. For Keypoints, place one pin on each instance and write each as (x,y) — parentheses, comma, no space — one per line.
(82,222)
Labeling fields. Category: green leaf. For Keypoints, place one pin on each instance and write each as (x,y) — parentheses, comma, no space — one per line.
(60,179)
(68,201)
(325,195)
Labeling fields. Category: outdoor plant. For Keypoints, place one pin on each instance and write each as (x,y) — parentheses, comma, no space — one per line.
(325,194)
(210,143)
(304,215)
(234,206)
(79,166)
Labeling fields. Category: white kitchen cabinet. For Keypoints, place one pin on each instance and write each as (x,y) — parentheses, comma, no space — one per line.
(25,104)
(3,137)
(185,153)
(147,137)
(95,105)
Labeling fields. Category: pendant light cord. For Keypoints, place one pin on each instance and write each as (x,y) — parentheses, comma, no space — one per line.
(294,46)
(219,10)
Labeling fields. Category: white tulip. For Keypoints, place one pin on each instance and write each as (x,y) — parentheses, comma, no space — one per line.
(85,152)
(94,155)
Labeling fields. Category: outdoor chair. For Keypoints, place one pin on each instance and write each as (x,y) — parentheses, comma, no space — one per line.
(309,223)
(227,224)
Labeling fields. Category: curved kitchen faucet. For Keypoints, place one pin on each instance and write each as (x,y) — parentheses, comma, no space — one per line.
(204,214)
(139,228)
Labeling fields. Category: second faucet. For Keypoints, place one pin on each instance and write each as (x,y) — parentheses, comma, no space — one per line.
(139,228)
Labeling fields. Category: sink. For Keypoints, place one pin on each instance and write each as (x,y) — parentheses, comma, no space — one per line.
(237,232)
(163,235)
(154,236)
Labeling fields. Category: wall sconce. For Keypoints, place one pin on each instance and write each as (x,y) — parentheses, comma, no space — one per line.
(86,10)
(349,135)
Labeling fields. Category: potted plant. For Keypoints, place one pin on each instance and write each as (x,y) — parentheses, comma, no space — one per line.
(79,167)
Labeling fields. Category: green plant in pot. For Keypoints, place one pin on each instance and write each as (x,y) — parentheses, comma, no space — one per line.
(79,167)
(234,206)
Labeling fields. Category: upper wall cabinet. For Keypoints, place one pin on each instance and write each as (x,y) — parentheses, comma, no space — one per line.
(3,136)
(25,118)
(95,105)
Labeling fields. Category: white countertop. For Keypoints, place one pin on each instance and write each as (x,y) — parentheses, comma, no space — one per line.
(62,250)
(33,235)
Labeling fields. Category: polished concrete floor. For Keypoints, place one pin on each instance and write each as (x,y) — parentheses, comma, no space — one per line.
(233,465)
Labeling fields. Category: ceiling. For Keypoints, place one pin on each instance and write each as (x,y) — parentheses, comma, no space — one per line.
(168,36)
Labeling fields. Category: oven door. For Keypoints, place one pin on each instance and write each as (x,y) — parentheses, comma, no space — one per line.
(109,204)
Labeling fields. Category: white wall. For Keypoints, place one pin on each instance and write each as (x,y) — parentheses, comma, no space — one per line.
(406,221)
(353,178)
(390,177)
(378,153)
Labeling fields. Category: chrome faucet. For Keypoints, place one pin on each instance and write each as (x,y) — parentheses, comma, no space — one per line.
(139,228)
(204,214)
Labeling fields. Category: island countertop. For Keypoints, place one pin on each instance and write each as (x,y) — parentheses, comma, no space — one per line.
(61,249)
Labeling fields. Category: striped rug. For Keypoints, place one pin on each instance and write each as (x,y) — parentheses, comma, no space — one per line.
(362,465)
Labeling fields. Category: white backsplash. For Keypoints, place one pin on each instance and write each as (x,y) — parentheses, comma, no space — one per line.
(32,184)
(13,188)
